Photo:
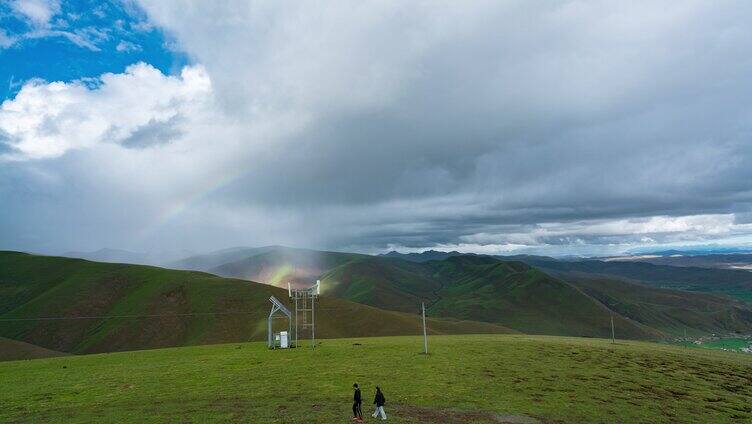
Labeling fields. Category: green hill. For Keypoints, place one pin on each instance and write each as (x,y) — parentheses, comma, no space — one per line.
(734,283)
(466,379)
(719,273)
(472,287)
(11,350)
(483,288)
(525,299)
(155,307)
(384,283)
(150,307)
(477,287)
(670,311)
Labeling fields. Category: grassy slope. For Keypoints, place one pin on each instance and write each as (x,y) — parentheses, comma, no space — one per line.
(37,286)
(483,288)
(523,298)
(11,350)
(381,282)
(465,379)
(669,310)
(734,283)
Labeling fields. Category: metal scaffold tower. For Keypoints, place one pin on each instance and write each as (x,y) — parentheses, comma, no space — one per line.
(282,337)
(305,308)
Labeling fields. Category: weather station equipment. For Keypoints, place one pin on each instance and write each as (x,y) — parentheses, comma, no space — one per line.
(280,340)
(305,310)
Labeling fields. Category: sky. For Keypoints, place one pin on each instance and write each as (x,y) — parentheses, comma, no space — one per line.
(546,127)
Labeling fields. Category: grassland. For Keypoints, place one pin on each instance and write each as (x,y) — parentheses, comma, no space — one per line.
(732,344)
(472,378)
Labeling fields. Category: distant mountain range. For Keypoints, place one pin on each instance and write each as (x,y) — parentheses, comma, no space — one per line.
(214,261)
(695,251)
(741,261)
(127,257)
(728,274)
(428,255)
(432,255)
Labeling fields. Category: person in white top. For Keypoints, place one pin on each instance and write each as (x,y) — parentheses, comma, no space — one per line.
(379,401)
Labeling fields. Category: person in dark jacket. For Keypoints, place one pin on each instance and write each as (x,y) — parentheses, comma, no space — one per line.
(379,401)
(357,411)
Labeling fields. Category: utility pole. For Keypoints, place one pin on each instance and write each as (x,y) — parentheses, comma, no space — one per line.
(613,337)
(425,334)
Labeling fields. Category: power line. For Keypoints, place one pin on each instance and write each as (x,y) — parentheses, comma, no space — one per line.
(135,316)
(125,316)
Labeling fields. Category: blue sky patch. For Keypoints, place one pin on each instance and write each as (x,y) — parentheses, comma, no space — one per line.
(74,39)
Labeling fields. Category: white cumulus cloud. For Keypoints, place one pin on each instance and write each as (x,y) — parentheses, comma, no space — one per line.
(127,46)
(45,120)
(38,12)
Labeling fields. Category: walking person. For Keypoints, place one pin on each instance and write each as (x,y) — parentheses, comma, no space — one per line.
(379,401)
(357,410)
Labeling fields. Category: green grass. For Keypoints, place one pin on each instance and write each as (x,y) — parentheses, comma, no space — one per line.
(731,344)
(465,379)
(726,344)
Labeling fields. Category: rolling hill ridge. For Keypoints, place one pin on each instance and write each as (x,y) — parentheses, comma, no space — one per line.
(518,296)
(734,283)
(114,307)
(125,307)
(532,294)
